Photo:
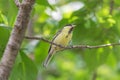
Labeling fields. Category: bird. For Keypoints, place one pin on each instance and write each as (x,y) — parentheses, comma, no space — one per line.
(62,37)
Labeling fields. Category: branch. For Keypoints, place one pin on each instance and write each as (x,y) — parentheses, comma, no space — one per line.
(92,47)
(73,46)
(17,2)
(16,38)
(45,40)
(111,6)
(94,75)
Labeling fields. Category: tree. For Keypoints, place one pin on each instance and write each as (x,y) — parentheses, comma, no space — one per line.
(16,38)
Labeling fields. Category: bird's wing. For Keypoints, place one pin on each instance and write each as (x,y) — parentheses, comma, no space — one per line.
(54,39)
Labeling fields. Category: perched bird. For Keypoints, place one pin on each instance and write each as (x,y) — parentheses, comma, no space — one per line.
(63,37)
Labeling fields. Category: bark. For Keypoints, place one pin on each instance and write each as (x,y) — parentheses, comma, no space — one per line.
(16,38)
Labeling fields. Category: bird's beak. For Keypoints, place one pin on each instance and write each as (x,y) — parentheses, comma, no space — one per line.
(71,28)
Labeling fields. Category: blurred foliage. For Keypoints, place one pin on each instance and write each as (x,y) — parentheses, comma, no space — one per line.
(95,25)
(21,69)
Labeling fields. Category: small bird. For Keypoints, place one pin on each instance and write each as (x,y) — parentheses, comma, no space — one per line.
(62,37)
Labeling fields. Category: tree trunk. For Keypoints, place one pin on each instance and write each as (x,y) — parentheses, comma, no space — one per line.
(16,38)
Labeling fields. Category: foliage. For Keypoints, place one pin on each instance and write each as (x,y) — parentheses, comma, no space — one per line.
(3,38)
(22,70)
(95,25)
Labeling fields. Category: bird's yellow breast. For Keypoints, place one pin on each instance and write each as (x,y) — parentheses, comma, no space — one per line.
(62,39)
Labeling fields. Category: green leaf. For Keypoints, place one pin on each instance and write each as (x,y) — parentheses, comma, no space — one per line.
(24,69)
(111,60)
(4,36)
(17,72)
(3,19)
(95,58)
(12,12)
(30,67)
(42,2)
(40,52)
(9,10)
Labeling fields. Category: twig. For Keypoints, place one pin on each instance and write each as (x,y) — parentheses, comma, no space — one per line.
(111,6)
(92,47)
(17,2)
(45,40)
(73,46)
(94,75)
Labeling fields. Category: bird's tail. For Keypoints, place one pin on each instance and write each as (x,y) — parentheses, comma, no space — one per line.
(49,57)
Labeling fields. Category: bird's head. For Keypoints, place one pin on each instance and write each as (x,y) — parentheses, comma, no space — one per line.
(69,28)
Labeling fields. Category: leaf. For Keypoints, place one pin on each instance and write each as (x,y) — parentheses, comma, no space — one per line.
(17,72)
(40,52)
(95,58)
(3,19)
(30,67)
(12,12)
(3,38)
(9,10)
(44,3)
(24,68)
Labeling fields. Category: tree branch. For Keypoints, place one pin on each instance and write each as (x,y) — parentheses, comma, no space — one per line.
(17,2)
(94,76)
(45,40)
(73,46)
(111,6)
(16,38)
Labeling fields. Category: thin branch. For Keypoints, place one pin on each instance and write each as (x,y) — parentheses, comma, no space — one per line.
(92,47)
(73,46)
(111,6)
(45,40)
(17,2)
(94,75)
